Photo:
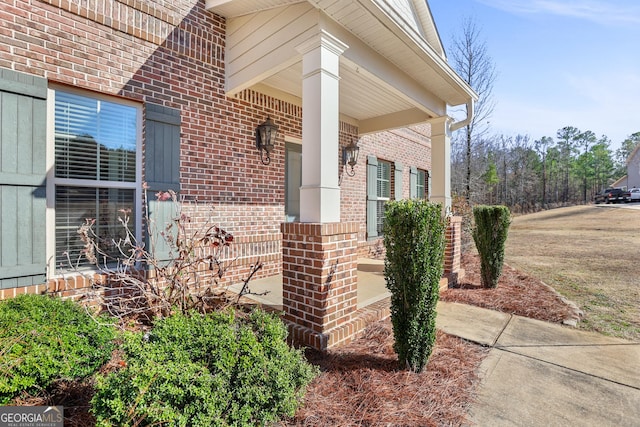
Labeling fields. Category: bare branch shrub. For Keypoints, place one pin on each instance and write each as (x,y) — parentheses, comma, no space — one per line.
(141,282)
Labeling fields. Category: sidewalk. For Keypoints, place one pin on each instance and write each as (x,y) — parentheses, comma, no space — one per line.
(542,374)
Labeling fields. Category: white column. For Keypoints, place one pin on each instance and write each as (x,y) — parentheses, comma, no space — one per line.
(320,193)
(441,162)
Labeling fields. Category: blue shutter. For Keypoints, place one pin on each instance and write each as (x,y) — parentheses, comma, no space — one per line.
(372,197)
(162,171)
(413,182)
(23,125)
(397,193)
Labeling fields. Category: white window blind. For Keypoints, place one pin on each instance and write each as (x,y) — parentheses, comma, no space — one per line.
(95,172)
(94,139)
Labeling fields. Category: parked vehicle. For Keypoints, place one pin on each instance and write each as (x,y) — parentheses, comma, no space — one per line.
(634,195)
(613,195)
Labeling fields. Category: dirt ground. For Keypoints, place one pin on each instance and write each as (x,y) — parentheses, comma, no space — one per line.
(591,255)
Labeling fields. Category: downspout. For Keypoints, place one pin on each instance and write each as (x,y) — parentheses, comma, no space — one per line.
(457,125)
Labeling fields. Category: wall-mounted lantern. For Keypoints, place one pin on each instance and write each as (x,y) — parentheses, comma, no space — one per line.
(350,157)
(266,139)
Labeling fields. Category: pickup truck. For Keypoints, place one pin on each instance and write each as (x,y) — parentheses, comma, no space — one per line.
(613,195)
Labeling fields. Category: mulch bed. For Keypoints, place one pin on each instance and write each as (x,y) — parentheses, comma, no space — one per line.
(517,293)
(360,383)
(361,386)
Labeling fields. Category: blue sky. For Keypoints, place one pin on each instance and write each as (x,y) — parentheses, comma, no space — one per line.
(559,62)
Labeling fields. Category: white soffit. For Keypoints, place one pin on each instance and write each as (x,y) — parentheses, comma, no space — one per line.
(233,8)
(402,31)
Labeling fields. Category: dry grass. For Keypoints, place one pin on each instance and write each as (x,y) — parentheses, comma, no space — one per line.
(591,255)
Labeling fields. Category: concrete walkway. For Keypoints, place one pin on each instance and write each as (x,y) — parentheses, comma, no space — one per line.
(542,374)
(536,373)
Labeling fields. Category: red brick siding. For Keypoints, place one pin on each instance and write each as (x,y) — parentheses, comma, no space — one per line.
(169,53)
(411,147)
(172,53)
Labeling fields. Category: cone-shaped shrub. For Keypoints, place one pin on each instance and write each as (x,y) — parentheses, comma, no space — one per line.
(414,239)
(490,235)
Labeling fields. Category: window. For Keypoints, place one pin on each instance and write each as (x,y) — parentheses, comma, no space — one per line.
(293,181)
(422,186)
(96,170)
(419,183)
(384,182)
(384,191)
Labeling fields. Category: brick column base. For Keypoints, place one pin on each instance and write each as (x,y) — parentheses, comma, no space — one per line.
(319,282)
(452,271)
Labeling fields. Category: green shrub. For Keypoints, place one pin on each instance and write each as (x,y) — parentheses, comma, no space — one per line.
(44,339)
(490,235)
(414,239)
(213,370)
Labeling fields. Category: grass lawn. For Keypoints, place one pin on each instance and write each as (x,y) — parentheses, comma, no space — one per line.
(591,255)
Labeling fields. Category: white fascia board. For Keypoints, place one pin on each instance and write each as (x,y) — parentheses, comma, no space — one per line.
(397,120)
(386,14)
(210,4)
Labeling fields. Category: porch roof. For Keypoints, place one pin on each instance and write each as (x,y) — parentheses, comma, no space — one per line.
(393,74)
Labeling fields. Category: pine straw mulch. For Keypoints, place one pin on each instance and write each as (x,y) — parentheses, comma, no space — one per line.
(517,293)
(360,383)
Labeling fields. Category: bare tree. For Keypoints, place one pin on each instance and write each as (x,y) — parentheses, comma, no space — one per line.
(472,62)
(542,148)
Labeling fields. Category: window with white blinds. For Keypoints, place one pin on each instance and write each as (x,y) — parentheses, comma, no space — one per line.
(384,191)
(94,139)
(421,184)
(95,149)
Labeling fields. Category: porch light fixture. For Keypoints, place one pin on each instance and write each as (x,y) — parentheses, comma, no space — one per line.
(350,157)
(266,139)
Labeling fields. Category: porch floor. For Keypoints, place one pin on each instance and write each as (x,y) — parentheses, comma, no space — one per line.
(371,286)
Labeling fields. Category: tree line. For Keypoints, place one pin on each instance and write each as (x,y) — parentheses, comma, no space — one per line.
(529,175)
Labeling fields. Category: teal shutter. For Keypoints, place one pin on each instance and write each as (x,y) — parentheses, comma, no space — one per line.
(397,193)
(23,127)
(413,182)
(372,197)
(162,172)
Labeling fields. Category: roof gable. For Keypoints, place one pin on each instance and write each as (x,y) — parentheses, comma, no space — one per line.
(634,153)
(414,15)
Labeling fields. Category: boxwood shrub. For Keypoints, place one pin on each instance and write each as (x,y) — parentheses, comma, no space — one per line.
(414,240)
(490,234)
(215,370)
(43,339)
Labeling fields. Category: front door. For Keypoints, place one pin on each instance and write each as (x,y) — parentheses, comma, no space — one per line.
(293,181)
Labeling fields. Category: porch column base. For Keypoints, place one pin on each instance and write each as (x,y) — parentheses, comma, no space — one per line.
(453,251)
(320,281)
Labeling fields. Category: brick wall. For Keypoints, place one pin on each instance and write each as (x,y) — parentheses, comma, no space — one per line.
(169,53)
(411,147)
(172,53)
(320,281)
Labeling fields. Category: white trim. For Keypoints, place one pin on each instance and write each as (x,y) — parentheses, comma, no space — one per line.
(293,139)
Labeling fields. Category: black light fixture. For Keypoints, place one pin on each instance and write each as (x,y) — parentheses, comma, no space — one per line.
(266,139)
(350,156)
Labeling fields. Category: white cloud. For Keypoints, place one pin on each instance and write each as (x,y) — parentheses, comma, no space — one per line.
(599,11)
